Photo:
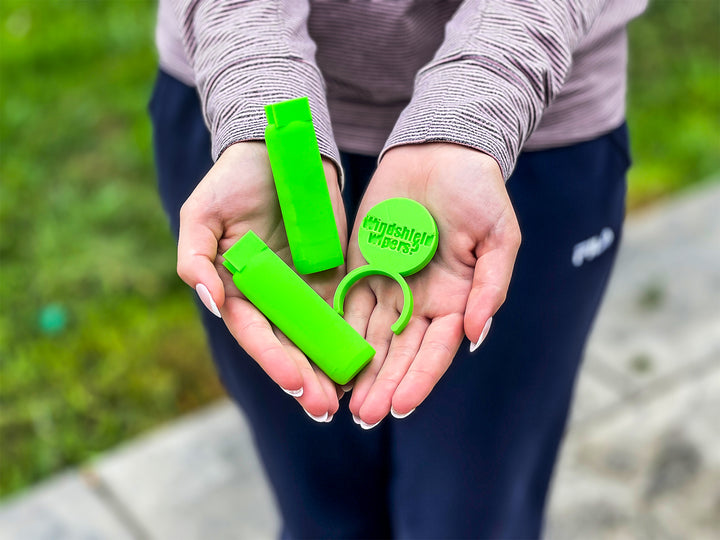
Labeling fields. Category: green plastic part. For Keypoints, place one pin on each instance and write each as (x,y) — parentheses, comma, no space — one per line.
(297,310)
(397,237)
(369,270)
(301,186)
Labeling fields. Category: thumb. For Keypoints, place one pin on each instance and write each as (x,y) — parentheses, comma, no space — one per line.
(491,278)
(197,250)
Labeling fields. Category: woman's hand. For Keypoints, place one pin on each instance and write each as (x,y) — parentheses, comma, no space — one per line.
(238,194)
(457,292)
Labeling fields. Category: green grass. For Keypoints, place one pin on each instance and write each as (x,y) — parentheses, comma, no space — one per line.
(674,97)
(82,231)
(98,338)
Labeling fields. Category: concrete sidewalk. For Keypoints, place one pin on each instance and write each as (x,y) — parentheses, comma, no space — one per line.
(641,458)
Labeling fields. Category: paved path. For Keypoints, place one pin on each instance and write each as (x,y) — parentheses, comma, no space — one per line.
(641,457)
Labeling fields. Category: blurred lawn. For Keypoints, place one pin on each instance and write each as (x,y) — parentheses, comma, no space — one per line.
(674,97)
(98,338)
(83,233)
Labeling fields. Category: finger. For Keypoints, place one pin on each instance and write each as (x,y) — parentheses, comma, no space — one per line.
(254,334)
(345,389)
(197,250)
(314,398)
(379,335)
(359,305)
(330,389)
(402,353)
(491,279)
(441,342)
(361,300)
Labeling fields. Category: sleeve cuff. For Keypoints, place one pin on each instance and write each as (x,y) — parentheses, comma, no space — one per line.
(241,116)
(466,102)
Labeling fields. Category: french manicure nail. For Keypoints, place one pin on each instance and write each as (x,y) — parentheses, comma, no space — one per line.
(322,418)
(293,393)
(483,334)
(356,419)
(398,415)
(329,419)
(365,425)
(207,300)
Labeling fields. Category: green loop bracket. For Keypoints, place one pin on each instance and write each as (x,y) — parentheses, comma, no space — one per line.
(397,237)
(369,270)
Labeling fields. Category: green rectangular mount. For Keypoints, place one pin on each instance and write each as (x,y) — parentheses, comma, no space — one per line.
(297,310)
(301,186)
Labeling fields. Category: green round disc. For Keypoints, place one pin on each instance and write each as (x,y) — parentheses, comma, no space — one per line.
(398,235)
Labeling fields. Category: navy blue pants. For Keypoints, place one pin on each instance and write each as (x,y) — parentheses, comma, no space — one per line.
(476,458)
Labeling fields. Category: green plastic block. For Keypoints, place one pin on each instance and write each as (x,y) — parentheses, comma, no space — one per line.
(397,237)
(297,310)
(301,186)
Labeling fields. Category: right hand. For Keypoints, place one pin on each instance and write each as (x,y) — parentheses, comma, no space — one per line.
(459,290)
(236,195)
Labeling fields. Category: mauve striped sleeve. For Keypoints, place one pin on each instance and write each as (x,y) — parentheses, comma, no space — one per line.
(246,54)
(501,64)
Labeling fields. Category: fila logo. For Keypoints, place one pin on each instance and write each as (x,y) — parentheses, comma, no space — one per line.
(593,247)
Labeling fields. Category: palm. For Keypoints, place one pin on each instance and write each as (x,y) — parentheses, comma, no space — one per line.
(251,204)
(476,224)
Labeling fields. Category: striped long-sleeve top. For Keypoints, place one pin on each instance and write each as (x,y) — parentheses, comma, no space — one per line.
(499,76)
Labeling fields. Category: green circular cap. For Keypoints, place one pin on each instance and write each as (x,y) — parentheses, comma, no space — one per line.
(398,235)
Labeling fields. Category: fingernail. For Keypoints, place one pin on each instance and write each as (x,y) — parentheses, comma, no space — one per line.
(398,415)
(322,418)
(365,425)
(329,419)
(207,300)
(347,387)
(485,330)
(293,393)
(356,419)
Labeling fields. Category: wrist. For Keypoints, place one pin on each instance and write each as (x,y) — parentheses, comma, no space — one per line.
(423,159)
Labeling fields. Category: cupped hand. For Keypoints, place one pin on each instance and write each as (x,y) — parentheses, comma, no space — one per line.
(236,195)
(456,294)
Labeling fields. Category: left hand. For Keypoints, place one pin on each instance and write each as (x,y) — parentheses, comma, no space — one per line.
(238,194)
(456,293)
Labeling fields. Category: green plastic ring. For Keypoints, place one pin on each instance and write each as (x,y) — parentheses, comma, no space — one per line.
(370,270)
